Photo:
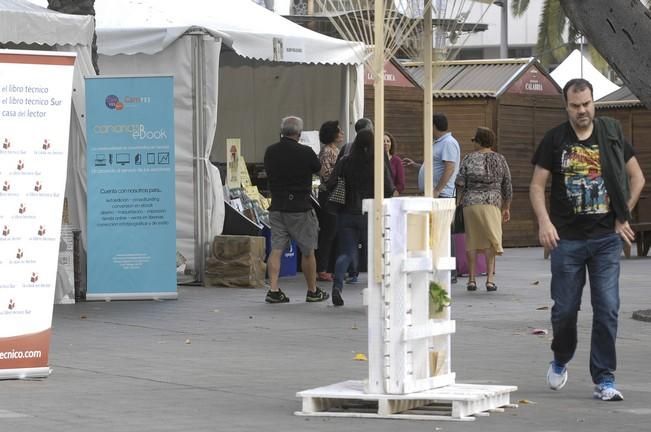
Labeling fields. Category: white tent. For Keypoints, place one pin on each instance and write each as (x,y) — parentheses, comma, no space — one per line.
(577,66)
(23,22)
(238,69)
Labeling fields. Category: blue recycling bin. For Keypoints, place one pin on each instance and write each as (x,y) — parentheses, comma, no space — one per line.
(288,260)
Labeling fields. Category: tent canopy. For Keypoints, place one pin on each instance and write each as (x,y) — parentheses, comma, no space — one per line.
(250,30)
(577,66)
(24,22)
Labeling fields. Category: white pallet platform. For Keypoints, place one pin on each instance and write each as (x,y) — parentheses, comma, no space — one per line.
(460,402)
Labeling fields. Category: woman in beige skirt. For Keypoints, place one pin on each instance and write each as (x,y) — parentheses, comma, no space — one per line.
(484,182)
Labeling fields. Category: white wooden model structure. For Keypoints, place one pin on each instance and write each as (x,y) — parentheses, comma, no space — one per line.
(409,345)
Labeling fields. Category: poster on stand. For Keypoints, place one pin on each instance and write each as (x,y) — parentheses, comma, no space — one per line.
(131,186)
(35,101)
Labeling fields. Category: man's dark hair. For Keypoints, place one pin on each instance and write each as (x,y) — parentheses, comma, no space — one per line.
(329,131)
(440,122)
(362,124)
(577,85)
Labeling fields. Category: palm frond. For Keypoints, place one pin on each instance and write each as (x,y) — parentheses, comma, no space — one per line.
(551,46)
(519,7)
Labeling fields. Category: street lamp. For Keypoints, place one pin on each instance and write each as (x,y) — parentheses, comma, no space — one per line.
(504,28)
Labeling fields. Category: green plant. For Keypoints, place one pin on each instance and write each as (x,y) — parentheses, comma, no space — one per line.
(438,296)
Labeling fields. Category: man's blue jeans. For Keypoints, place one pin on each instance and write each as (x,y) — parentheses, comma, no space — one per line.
(569,262)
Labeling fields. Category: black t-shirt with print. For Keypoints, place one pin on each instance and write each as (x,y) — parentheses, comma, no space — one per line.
(579,204)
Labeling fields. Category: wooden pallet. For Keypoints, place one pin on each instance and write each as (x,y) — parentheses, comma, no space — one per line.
(461,402)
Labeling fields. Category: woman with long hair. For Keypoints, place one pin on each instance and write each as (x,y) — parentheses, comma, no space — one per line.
(358,172)
(484,182)
(397,170)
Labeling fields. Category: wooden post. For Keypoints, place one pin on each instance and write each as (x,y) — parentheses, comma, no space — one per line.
(378,144)
(427,100)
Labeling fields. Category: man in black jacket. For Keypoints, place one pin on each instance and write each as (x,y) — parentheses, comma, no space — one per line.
(290,166)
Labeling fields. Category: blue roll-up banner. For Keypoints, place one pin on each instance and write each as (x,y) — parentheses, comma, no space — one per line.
(131,203)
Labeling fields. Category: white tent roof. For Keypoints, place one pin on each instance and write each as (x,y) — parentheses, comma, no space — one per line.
(572,68)
(149,26)
(24,22)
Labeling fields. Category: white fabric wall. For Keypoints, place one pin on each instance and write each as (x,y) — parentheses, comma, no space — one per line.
(177,60)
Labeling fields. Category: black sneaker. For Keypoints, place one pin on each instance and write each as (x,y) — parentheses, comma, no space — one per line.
(336,298)
(317,296)
(276,297)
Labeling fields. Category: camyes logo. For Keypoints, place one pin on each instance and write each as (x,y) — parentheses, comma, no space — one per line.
(113,102)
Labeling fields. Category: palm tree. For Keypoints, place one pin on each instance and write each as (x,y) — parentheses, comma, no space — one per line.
(78,7)
(551,46)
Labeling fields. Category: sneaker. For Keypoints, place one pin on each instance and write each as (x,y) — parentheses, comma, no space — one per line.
(352,280)
(336,298)
(324,277)
(556,376)
(276,297)
(317,296)
(606,391)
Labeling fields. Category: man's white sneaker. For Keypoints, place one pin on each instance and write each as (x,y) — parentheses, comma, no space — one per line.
(556,376)
(606,391)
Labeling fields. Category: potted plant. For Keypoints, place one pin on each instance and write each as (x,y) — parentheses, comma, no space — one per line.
(438,298)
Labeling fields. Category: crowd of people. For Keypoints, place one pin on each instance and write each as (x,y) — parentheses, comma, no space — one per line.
(582,238)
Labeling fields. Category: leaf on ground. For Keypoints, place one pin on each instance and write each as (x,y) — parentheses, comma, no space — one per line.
(542,308)
(83,317)
(526,402)
(535,282)
(360,357)
(539,331)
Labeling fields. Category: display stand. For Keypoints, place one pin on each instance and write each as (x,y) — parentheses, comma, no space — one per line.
(409,343)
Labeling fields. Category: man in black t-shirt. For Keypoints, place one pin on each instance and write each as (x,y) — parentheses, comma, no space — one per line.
(596,181)
(290,166)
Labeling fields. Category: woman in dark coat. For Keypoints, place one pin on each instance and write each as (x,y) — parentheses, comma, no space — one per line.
(352,224)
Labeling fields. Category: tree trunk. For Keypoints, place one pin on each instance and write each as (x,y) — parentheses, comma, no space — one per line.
(621,31)
(78,7)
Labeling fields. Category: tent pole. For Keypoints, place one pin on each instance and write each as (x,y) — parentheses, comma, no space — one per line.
(198,144)
(345,102)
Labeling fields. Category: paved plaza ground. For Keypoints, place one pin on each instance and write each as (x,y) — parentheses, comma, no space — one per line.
(220,359)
